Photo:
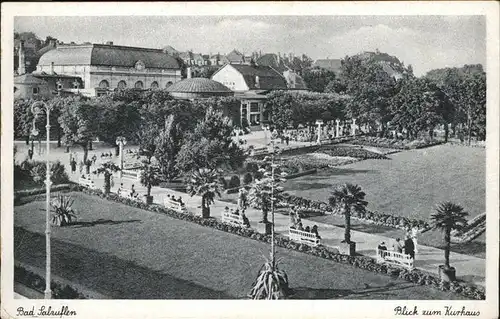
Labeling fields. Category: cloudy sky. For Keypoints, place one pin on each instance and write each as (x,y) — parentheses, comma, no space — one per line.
(425,42)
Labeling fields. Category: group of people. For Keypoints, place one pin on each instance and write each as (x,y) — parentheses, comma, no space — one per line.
(83,164)
(178,200)
(296,223)
(407,247)
(241,213)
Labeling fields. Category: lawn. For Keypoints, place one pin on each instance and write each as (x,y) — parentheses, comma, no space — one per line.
(129,253)
(411,183)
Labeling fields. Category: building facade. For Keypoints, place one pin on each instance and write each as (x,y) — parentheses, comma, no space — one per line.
(105,67)
(251,83)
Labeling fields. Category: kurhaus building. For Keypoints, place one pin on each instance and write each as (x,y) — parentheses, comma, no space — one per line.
(105,67)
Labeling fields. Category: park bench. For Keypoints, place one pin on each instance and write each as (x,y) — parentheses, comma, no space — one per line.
(174,205)
(303,236)
(233,219)
(394,258)
(86,183)
(126,194)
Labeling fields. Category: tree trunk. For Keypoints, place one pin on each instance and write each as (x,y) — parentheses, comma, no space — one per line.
(447,241)
(149,190)
(446,132)
(59,137)
(469,124)
(347,230)
(107,183)
(264,215)
(67,148)
(90,145)
(205,210)
(117,150)
(27,140)
(85,153)
(32,146)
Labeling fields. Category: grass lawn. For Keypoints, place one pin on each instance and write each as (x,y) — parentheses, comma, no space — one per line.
(411,183)
(123,252)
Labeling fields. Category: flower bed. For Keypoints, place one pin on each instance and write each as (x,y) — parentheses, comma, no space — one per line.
(347,151)
(394,143)
(363,262)
(36,282)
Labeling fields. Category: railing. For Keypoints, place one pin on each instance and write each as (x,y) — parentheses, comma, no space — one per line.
(86,182)
(303,236)
(174,205)
(233,219)
(394,258)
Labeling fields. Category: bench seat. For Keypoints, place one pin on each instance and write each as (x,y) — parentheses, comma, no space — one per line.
(395,258)
(303,236)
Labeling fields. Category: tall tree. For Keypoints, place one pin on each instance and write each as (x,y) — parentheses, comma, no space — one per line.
(348,198)
(79,122)
(204,182)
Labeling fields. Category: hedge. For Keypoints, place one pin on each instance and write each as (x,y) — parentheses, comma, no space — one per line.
(36,282)
(363,262)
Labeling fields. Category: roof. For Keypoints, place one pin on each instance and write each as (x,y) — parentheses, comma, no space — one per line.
(235,56)
(268,77)
(198,85)
(28,79)
(108,55)
(42,75)
(169,50)
(334,65)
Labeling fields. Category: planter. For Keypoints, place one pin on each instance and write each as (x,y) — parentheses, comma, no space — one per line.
(347,248)
(148,199)
(447,275)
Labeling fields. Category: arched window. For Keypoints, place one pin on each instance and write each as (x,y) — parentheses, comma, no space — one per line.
(102,85)
(139,85)
(122,85)
(154,85)
(169,83)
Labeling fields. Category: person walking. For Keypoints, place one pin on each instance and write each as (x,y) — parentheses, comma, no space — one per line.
(30,153)
(94,159)
(398,246)
(73,166)
(87,166)
(409,247)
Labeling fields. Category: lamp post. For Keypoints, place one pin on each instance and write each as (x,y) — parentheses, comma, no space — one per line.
(121,141)
(36,109)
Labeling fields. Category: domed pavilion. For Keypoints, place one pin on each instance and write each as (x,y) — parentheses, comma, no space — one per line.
(197,88)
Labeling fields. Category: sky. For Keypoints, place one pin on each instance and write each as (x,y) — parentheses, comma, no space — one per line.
(425,42)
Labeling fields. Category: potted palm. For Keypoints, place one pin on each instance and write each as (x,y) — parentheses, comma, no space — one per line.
(150,176)
(348,198)
(448,216)
(63,213)
(205,183)
(107,168)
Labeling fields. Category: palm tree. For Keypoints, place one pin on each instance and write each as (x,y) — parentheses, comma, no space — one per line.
(107,168)
(348,198)
(205,183)
(150,176)
(449,216)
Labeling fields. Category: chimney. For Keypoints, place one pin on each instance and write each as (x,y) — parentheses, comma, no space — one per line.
(279,58)
(257,81)
(51,67)
(109,43)
(21,68)
(188,72)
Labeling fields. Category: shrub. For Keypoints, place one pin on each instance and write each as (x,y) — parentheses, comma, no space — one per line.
(247,178)
(57,172)
(223,182)
(252,167)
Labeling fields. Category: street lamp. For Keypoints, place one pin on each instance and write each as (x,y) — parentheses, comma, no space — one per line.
(121,141)
(36,109)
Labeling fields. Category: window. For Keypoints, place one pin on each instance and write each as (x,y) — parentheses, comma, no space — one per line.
(154,85)
(139,85)
(104,84)
(254,107)
(169,83)
(122,85)
(35,90)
